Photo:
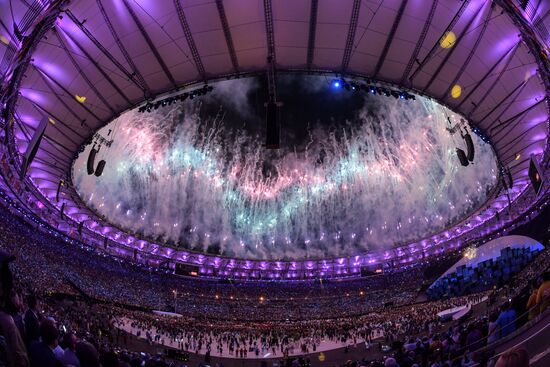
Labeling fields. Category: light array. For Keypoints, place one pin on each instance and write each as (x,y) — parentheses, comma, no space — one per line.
(150,106)
(372,89)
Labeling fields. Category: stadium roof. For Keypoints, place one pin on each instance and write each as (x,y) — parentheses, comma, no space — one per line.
(82,63)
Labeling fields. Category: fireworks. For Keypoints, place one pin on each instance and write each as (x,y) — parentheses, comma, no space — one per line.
(198,181)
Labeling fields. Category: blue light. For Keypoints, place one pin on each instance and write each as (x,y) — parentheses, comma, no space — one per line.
(336,84)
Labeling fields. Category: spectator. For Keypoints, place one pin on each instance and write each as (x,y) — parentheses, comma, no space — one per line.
(390,362)
(492,329)
(69,354)
(42,352)
(474,337)
(467,360)
(109,359)
(513,358)
(32,320)
(532,302)
(506,321)
(543,293)
(12,347)
(87,354)
(15,310)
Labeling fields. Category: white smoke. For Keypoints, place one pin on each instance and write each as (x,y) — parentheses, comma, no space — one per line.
(387,178)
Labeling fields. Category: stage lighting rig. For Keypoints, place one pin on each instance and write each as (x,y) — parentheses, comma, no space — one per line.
(150,106)
(353,86)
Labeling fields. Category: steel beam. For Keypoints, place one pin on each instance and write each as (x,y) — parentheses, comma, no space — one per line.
(82,74)
(389,40)
(150,43)
(419,43)
(99,68)
(190,41)
(312,32)
(450,26)
(351,34)
(470,54)
(130,75)
(452,50)
(227,35)
(509,53)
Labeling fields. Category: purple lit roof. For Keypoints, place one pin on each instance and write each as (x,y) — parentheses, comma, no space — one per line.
(127,51)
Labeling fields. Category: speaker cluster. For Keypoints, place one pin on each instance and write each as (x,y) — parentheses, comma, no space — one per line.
(466,158)
(90,166)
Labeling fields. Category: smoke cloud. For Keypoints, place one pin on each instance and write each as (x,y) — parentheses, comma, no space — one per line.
(383,174)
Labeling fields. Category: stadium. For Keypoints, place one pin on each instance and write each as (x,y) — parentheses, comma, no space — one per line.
(274,183)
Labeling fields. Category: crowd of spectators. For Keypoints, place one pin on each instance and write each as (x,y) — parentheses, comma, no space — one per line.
(63,268)
(66,307)
(282,338)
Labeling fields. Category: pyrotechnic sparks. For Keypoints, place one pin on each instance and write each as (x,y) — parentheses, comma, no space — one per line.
(390,175)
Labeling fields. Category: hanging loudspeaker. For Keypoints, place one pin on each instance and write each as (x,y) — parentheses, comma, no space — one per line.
(62,210)
(469,146)
(32,148)
(91,161)
(510,178)
(462,157)
(100,167)
(58,190)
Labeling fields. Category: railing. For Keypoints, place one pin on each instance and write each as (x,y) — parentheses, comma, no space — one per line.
(528,343)
(491,346)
